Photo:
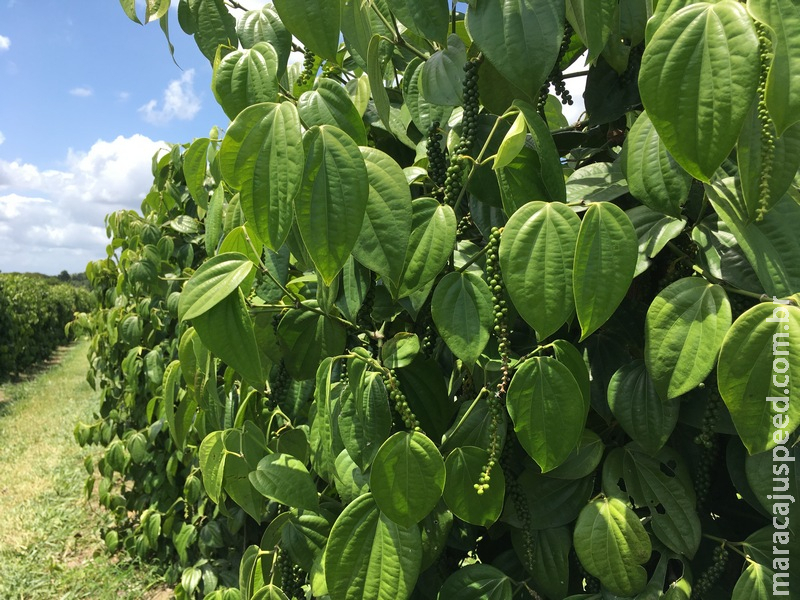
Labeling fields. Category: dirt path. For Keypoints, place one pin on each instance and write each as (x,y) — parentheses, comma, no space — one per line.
(50,544)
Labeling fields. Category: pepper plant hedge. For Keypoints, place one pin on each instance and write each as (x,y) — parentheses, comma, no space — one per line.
(404,332)
(34,313)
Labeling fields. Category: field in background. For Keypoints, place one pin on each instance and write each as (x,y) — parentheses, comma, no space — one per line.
(50,540)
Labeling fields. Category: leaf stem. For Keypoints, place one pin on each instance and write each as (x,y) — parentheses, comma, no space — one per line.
(575,74)
(398,39)
(716,280)
(477,160)
(473,260)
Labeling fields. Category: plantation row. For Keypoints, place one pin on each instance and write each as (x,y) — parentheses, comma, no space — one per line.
(403,332)
(34,313)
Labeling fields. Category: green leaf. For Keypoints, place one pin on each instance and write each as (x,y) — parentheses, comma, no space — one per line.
(382,243)
(350,481)
(195,161)
(304,536)
(521,38)
(653,176)
(262,156)
(357,29)
(612,544)
(461,308)
(549,159)
(264,25)
(407,477)
(246,77)
(172,376)
(644,414)
(427,18)
(306,337)
(284,479)
(315,23)
(597,182)
(472,427)
(332,200)
(365,419)
(697,122)
(435,529)
(400,350)
(537,251)
(512,143)
(213,27)
(213,282)
(376,62)
(551,502)
(464,467)
(593,21)
(685,326)
(783,88)
(370,556)
(583,460)
(756,583)
(227,331)
(269,592)
(664,486)
(605,260)
(520,181)
(547,408)
(442,79)
(771,246)
(432,241)
(423,113)
(213,221)
(212,463)
(330,104)
(661,12)
(654,230)
(423,384)
(569,356)
(764,481)
(549,559)
(477,582)
(129,6)
(784,163)
(760,355)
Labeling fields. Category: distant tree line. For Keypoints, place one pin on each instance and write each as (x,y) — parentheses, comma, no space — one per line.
(34,312)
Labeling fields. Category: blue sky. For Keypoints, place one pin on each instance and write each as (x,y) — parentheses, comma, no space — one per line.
(87,97)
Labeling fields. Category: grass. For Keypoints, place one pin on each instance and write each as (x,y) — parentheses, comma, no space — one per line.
(50,544)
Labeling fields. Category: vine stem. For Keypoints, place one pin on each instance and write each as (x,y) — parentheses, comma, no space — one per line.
(298,301)
(473,260)
(728,544)
(398,39)
(478,160)
(575,74)
(716,280)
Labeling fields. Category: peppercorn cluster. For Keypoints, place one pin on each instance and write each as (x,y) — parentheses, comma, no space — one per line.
(308,68)
(500,328)
(765,122)
(711,576)
(459,162)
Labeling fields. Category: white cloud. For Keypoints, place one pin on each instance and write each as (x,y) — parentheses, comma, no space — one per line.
(53,219)
(123,96)
(2,138)
(5,43)
(81,92)
(180,102)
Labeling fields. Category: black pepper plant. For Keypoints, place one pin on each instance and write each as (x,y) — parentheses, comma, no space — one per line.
(402,331)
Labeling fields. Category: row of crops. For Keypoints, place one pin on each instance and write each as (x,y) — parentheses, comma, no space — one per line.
(34,313)
(404,332)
